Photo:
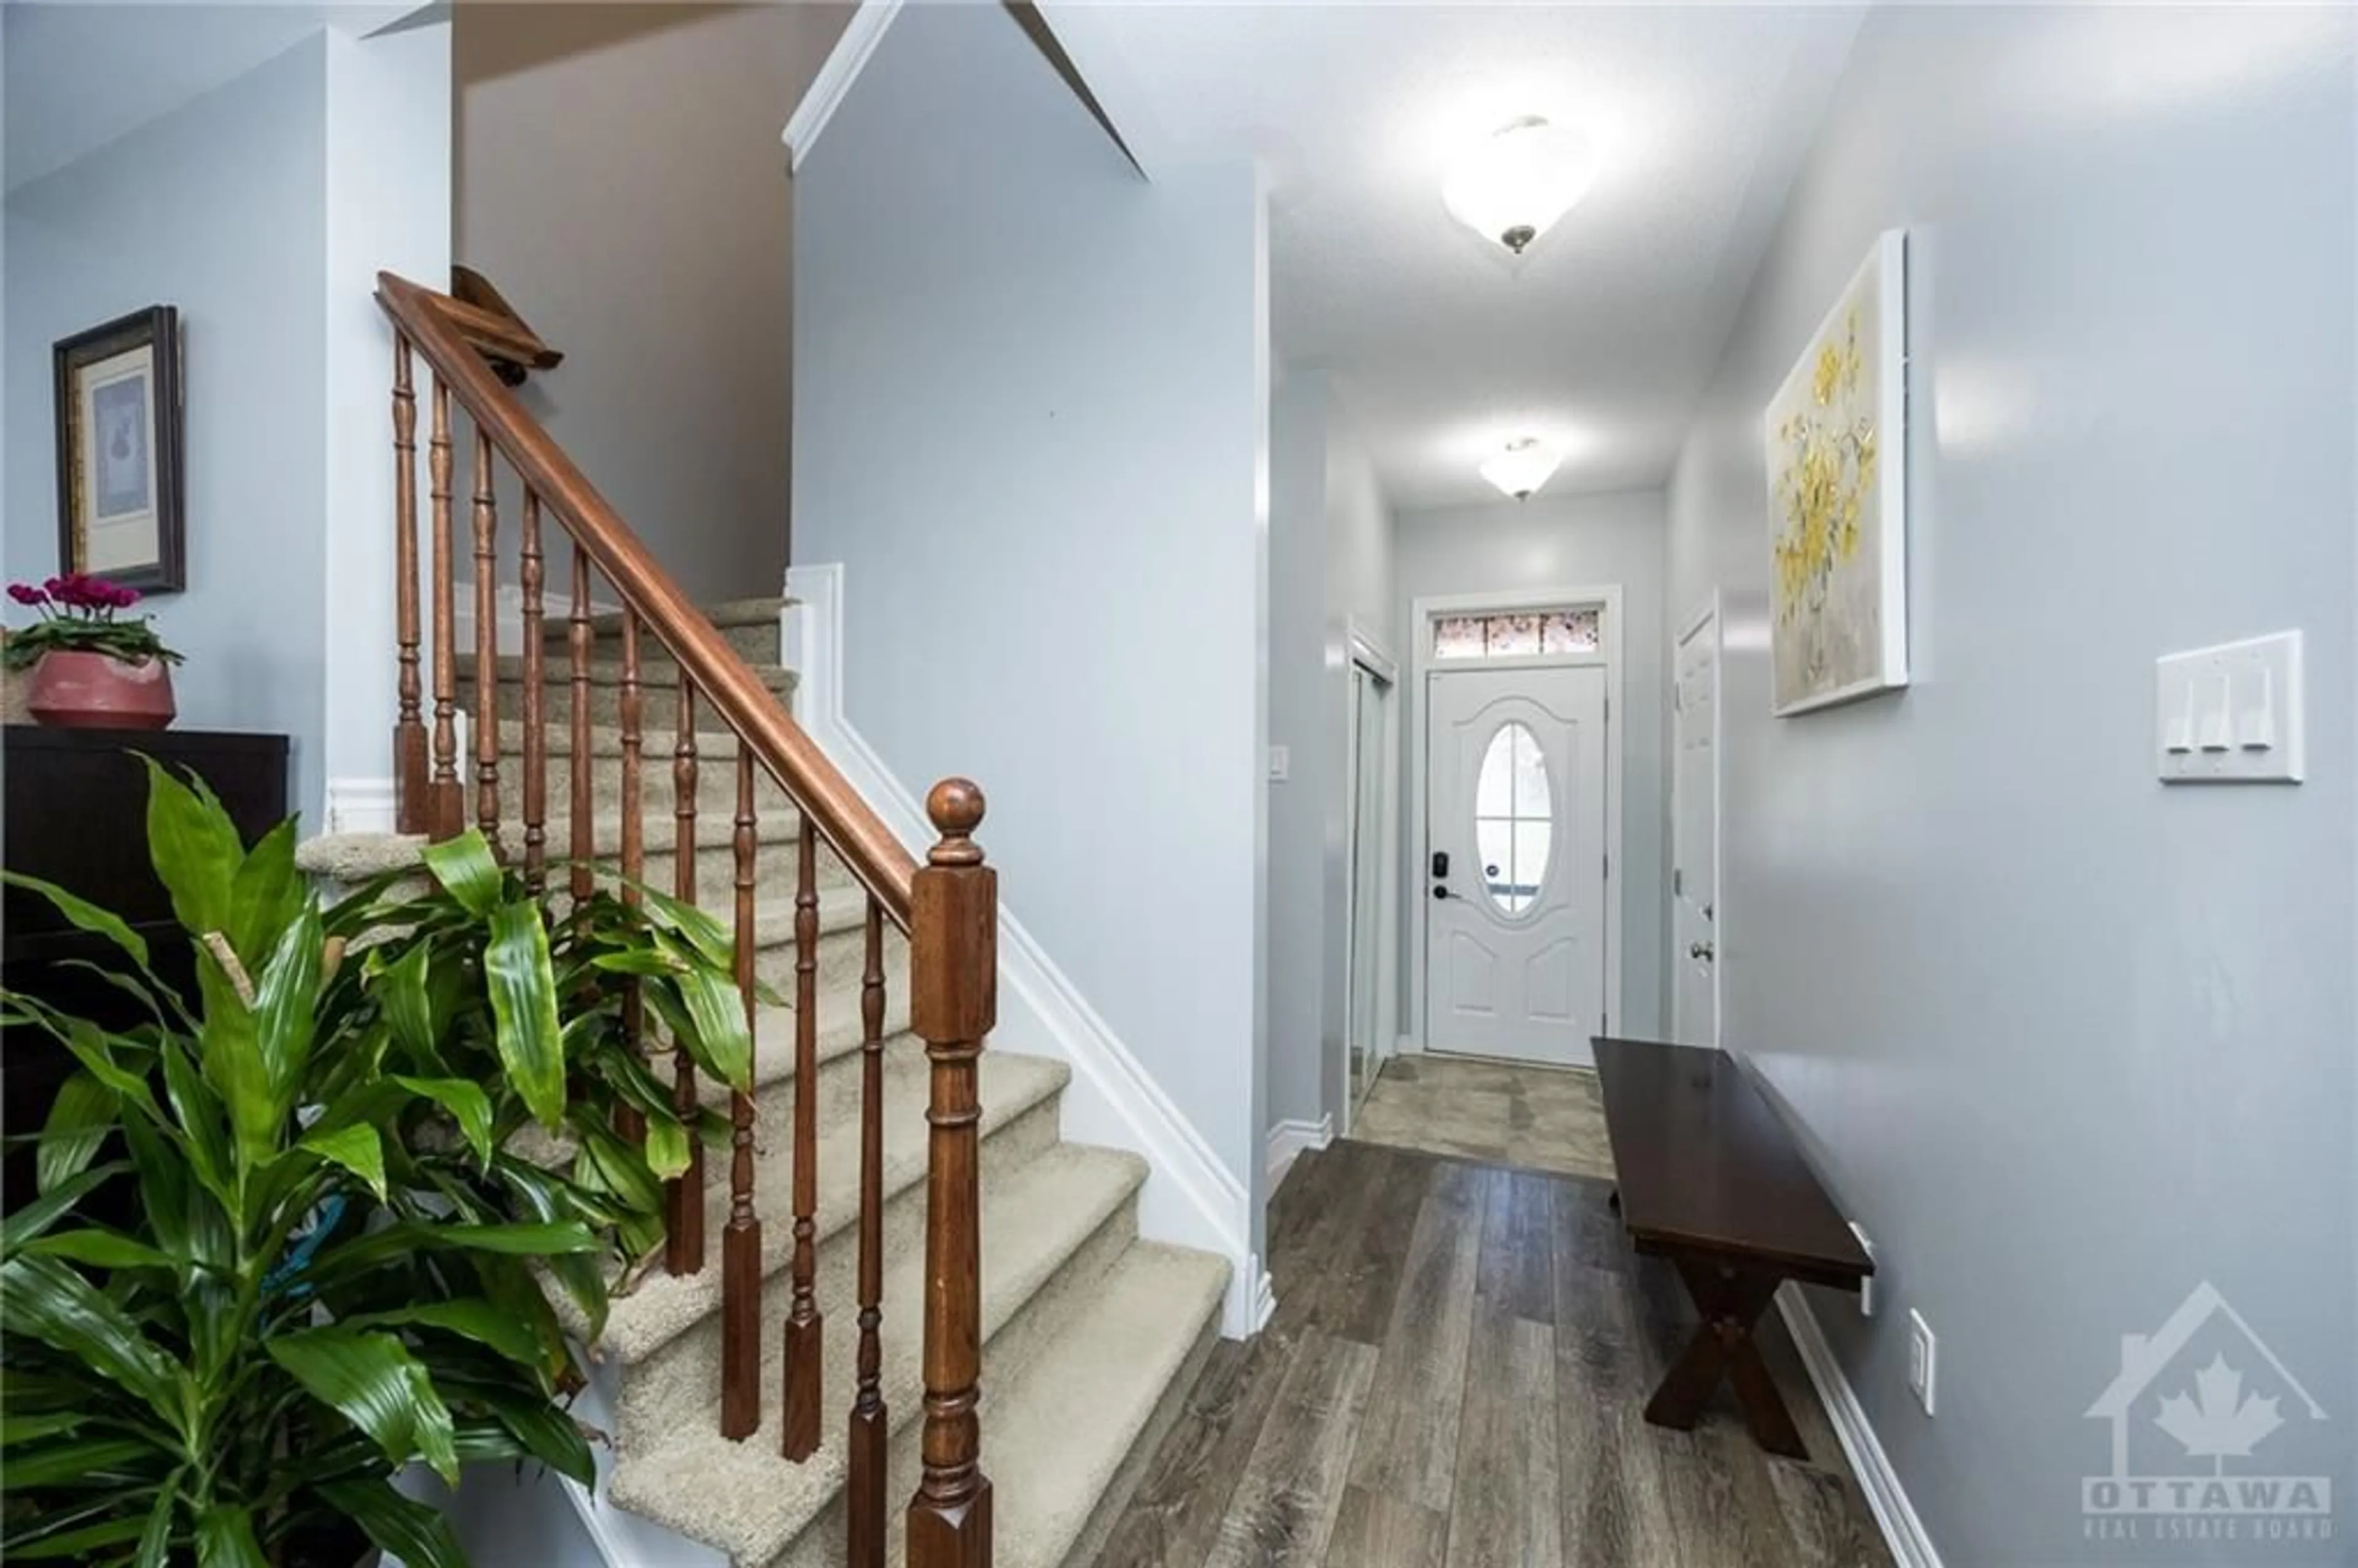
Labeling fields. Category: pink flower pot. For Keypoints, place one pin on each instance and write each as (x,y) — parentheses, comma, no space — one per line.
(91,691)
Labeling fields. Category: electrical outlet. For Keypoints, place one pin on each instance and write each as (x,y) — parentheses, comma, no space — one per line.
(1867,1285)
(1922,1364)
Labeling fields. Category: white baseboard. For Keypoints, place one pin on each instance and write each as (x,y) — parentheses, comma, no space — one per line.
(1190,1198)
(360,805)
(1289,1140)
(1902,1531)
(1264,1304)
(510,600)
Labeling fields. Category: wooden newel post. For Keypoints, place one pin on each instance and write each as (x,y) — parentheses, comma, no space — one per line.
(953,1001)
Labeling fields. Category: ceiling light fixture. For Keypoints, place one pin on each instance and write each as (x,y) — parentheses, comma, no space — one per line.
(1523,466)
(1514,186)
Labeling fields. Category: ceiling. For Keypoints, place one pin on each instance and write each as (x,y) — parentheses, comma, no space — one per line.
(80,74)
(1441,346)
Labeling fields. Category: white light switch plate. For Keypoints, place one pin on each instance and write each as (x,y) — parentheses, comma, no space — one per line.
(2230,714)
(1281,764)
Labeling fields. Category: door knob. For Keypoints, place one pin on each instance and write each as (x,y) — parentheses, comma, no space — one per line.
(1700,950)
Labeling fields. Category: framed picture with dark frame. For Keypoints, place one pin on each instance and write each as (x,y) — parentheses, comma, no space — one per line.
(119,481)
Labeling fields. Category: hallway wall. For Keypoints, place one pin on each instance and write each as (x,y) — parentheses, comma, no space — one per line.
(1331,549)
(2066,1042)
(1575,541)
(1034,428)
(622,180)
(218,207)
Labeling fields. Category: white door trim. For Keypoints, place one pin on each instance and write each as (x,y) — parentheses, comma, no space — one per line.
(1368,653)
(1708,614)
(1416,832)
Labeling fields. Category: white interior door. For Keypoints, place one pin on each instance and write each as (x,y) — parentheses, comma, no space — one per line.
(1515,839)
(1695,849)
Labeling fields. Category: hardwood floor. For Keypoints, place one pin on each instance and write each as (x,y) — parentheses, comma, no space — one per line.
(1454,1379)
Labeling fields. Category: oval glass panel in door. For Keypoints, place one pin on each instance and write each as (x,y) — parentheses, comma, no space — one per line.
(1514,818)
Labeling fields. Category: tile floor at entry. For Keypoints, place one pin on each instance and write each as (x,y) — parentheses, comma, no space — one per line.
(1546,1118)
(1455,1378)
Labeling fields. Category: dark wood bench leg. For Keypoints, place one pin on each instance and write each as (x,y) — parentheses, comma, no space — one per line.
(1730,1302)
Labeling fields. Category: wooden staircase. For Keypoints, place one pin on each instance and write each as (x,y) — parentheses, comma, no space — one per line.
(898,1209)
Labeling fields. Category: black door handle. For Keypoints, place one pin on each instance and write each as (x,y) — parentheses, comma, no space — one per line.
(1440,863)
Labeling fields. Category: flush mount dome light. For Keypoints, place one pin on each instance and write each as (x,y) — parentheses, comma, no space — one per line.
(1521,467)
(1518,182)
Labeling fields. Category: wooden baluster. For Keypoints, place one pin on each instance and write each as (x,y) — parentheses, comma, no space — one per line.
(740,1243)
(864,1455)
(627,1119)
(684,1240)
(578,645)
(409,765)
(487,645)
(953,1001)
(535,721)
(804,1337)
(447,807)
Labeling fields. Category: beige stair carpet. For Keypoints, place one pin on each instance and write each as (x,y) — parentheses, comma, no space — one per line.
(1092,1335)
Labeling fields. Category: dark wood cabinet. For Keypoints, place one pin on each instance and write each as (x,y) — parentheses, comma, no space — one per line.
(76,814)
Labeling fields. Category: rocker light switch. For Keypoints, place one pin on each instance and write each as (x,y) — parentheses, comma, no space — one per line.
(2231,714)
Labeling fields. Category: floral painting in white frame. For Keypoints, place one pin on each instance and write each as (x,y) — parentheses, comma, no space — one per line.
(1837,447)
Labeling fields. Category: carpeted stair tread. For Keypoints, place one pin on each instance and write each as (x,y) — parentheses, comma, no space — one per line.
(743,1499)
(664,1306)
(755,611)
(1057,1431)
(716,744)
(657,676)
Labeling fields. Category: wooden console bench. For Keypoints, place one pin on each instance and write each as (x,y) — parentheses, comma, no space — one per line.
(1710,1177)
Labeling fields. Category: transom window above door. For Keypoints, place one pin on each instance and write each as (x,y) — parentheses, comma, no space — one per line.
(1515,634)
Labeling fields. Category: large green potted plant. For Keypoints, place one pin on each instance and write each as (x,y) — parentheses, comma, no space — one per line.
(342,1247)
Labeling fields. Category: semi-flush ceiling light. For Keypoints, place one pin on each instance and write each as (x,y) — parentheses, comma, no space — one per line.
(1522,467)
(1517,182)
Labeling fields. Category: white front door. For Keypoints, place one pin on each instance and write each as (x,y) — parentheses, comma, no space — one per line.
(1515,845)
(1694,848)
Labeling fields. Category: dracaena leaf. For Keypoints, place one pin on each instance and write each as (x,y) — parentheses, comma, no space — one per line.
(524,1008)
(666,1147)
(467,871)
(469,1317)
(36,1216)
(286,1007)
(84,915)
(47,1464)
(372,1381)
(195,849)
(225,1538)
(156,1539)
(43,1300)
(100,1247)
(266,894)
(402,1527)
(78,1121)
(229,1056)
(357,1148)
(467,1104)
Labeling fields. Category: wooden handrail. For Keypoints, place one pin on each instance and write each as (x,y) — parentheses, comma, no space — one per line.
(868,848)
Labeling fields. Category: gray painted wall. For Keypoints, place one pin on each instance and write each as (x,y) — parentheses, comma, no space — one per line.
(1578,541)
(1330,564)
(2065,1041)
(621,177)
(1298,545)
(1031,421)
(218,207)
